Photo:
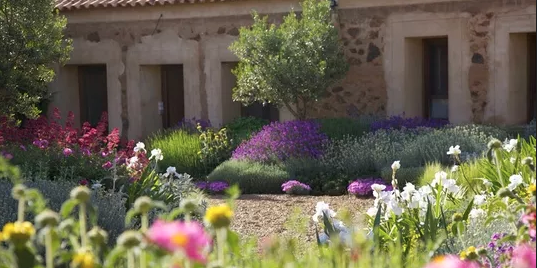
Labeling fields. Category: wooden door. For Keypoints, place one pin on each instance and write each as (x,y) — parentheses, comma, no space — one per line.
(532,106)
(173,95)
(93,91)
(435,78)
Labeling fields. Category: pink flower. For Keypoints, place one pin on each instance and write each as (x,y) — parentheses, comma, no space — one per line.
(67,152)
(190,237)
(523,257)
(450,261)
(83,182)
(107,165)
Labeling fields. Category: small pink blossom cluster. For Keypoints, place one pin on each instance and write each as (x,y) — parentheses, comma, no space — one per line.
(295,187)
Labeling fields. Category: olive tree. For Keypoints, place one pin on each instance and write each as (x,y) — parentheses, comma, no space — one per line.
(31,41)
(290,64)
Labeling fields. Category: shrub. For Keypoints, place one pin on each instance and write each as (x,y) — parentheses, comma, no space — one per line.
(180,150)
(213,187)
(400,122)
(215,147)
(191,125)
(243,128)
(320,176)
(362,186)
(404,174)
(110,206)
(283,140)
(337,128)
(252,177)
(530,129)
(294,187)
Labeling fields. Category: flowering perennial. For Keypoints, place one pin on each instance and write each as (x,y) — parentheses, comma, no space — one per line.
(295,187)
(362,187)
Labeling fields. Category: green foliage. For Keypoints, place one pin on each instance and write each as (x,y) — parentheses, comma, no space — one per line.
(110,206)
(405,174)
(291,64)
(243,128)
(31,40)
(321,177)
(338,128)
(215,147)
(180,150)
(252,178)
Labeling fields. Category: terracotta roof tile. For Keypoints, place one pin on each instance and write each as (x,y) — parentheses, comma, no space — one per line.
(78,4)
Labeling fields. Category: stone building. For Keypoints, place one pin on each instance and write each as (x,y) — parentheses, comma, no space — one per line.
(150,63)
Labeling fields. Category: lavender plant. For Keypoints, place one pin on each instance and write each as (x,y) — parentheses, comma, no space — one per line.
(280,141)
(401,122)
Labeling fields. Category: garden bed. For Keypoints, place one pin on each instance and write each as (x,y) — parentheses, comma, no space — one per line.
(265,215)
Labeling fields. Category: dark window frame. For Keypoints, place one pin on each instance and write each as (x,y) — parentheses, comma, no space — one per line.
(428,97)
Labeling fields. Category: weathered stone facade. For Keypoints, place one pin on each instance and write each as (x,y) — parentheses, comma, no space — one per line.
(367,30)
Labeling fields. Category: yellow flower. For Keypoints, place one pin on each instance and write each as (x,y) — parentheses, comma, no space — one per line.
(471,249)
(18,232)
(531,189)
(463,255)
(470,253)
(219,216)
(83,259)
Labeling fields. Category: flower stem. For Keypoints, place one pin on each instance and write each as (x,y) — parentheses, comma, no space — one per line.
(49,252)
(20,216)
(130,259)
(82,219)
(145,224)
(220,240)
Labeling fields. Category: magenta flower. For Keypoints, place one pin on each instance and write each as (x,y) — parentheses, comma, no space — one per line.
(189,237)
(450,261)
(523,257)
(83,182)
(295,187)
(67,152)
(107,165)
(23,147)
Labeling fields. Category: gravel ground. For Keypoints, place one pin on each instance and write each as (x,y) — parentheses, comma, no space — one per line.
(261,216)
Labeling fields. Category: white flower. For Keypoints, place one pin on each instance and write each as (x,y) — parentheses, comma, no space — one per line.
(512,160)
(372,211)
(454,150)
(157,154)
(377,188)
(140,146)
(476,213)
(395,208)
(455,168)
(415,201)
(132,161)
(345,237)
(515,180)
(320,208)
(340,226)
(451,186)
(479,199)
(396,165)
(425,190)
(409,187)
(440,177)
(510,145)
(487,183)
(96,186)
(171,171)
(323,238)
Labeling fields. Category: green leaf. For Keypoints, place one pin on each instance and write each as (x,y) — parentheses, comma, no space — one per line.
(468,210)
(113,257)
(68,207)
(233,241)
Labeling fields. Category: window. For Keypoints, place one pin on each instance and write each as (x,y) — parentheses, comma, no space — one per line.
(92,92)
(435,78)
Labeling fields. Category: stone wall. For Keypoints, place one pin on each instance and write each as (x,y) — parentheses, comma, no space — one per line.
(363,32)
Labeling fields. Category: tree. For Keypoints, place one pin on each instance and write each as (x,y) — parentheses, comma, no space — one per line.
(31,41)
(291,64)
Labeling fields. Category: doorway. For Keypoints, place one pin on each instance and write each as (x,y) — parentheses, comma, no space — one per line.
(93,98)
(435,78)
(173,95)
(532,106)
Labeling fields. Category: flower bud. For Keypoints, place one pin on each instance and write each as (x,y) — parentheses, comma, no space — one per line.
(18,191)
(527,161)
(219,216)
(457,217)
(188,205)
(143,204)
(494,144)
(81,193)
(504,192)
(130,239)
(98,236)
(471,253)
(47,218)
(67,225)
(482,252)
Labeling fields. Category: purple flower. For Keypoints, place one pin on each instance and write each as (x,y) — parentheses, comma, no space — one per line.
(7,156)
(107,165)
(201,185)
(23,147)
(190,125)
(294,185)
(67,152)
(362,186)
(42,144)
(85,151)
(218,186)
(283,140)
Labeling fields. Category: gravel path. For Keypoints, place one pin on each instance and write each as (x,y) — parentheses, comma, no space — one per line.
(264,215)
